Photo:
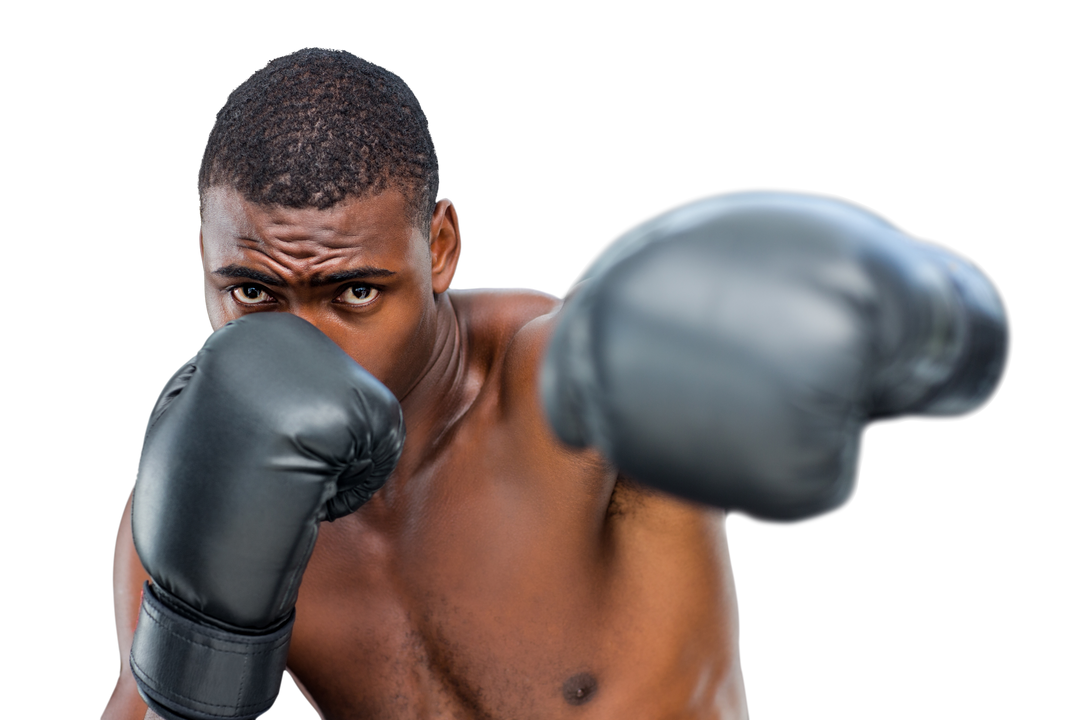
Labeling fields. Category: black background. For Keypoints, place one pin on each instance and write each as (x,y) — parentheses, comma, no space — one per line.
(910,601)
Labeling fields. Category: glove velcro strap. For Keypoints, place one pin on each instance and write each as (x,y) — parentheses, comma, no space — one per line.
(186,670)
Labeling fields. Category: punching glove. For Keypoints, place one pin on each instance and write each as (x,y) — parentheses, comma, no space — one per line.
(270,430)
(731,351)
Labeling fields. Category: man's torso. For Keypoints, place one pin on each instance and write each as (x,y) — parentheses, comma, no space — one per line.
(501,575)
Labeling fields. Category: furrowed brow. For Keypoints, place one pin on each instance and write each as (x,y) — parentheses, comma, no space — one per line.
(239,271)
(361,273)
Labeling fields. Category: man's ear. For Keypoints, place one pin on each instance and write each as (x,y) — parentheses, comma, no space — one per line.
(445,243)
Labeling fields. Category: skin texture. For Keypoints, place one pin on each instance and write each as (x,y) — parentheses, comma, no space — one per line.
(499,573)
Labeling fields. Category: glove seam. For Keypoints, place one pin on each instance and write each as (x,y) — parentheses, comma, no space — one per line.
(275,644)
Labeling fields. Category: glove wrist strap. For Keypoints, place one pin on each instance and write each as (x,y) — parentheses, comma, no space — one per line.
(187,670)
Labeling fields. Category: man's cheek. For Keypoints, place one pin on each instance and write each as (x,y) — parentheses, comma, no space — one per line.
(214,309)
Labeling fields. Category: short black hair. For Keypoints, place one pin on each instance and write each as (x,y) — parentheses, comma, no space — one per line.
(319,126)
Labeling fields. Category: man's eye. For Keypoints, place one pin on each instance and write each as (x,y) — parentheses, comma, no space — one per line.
(357,295)
(251,295)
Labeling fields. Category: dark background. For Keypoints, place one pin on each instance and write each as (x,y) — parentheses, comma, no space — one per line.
(910,601)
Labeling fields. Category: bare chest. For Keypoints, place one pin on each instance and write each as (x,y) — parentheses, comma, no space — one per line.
(492,585)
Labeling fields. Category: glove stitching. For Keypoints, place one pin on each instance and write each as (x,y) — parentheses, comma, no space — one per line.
(177,696)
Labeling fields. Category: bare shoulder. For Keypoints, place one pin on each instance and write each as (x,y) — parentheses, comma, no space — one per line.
(508,330)
(498,323)
(492,314)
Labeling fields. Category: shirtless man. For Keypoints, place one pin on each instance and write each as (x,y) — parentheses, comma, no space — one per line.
(728,353)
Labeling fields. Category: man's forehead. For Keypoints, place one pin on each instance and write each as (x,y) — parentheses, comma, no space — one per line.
(228,217)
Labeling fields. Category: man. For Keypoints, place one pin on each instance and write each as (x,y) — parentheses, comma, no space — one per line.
(527,554)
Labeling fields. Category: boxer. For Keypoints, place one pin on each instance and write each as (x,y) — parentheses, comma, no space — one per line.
(493,504)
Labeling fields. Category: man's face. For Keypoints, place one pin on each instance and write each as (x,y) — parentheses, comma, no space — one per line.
(361,272)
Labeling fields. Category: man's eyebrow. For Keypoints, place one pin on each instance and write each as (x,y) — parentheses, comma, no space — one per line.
(360,273)
(239,271)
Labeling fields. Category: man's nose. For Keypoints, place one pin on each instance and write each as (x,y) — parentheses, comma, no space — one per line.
(321,319)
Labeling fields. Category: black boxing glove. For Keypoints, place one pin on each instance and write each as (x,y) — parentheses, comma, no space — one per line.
(731,351)
(270,430)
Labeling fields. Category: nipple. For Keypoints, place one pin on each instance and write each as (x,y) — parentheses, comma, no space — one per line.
(579,689)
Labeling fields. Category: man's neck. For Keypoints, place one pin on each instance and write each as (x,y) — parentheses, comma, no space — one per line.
(442,393)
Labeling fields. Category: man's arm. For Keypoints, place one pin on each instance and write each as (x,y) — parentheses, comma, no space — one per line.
(732,351)
(128,579)
(241,463)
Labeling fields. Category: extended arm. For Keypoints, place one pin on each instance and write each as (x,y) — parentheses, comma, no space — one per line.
(731,351)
